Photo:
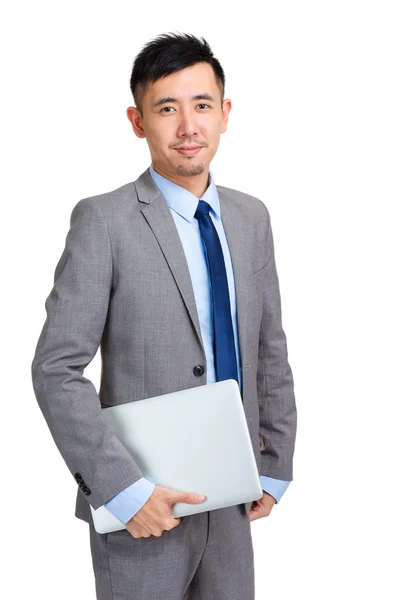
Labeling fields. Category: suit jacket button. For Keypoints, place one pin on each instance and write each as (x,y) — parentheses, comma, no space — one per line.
(86,490)
(78,477)
(198,370)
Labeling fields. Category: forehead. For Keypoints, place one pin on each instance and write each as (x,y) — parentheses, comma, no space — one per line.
(185,83)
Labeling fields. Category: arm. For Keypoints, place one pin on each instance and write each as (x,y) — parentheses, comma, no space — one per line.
(76,314)
(277,407)
(274,487)
(129,501)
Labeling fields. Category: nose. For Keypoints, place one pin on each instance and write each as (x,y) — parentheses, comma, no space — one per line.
(187,126)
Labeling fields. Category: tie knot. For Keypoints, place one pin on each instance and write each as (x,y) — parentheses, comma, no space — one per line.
(202,210)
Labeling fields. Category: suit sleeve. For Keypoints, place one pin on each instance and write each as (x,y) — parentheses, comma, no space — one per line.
(76,313)
(275,386)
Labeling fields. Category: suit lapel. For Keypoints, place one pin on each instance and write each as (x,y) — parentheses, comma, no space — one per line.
(237,244)
(157,214)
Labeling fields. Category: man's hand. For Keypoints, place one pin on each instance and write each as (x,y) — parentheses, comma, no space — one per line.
(262,507)
(155,516)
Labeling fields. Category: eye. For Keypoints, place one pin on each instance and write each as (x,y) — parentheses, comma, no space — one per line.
(202,104)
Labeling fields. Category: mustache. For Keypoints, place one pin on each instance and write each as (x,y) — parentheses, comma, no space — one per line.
(190,144)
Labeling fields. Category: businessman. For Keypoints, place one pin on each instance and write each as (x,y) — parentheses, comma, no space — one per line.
(174,278)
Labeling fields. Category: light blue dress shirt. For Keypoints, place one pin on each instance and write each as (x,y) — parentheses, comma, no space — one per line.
(183,205)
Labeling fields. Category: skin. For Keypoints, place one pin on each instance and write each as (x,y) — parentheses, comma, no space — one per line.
(185,122)
(262,507)
(173,124)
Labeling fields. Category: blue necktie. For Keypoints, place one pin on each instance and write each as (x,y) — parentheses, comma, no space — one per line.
(224,344)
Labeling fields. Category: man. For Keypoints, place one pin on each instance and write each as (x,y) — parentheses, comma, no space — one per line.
(175,279)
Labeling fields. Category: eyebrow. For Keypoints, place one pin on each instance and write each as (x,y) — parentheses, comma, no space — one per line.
(166,99)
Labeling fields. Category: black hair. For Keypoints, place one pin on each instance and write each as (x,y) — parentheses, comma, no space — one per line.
(169,53)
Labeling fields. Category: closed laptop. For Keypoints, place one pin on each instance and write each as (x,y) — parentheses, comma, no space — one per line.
(192,440)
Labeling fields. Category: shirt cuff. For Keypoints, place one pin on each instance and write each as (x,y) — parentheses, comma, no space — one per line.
(130,500)
(274,487)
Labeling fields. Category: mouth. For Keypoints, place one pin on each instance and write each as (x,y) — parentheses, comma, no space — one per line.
(189,151)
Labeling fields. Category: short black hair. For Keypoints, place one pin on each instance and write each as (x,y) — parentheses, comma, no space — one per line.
(169,53)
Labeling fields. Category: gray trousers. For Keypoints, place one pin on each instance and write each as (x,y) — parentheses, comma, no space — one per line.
(208,556)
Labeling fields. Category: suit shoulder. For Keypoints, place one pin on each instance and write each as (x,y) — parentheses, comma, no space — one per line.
(108,202)
(254,204)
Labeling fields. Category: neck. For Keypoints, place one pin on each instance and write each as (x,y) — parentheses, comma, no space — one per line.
(196,184)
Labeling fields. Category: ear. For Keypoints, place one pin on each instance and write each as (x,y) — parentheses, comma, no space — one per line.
(135,117)
(226,108)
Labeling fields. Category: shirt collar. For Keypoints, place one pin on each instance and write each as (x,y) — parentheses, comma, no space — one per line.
(181,200)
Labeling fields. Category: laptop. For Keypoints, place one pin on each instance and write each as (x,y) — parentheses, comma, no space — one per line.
(193,440)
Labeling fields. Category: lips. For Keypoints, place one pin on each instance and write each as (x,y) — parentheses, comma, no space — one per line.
(189,151)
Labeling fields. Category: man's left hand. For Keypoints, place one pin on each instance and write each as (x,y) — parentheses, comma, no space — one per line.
(262,507)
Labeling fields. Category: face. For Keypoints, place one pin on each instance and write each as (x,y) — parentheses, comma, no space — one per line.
(182,110)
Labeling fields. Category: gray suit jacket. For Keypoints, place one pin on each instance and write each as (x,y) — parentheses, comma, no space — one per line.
(122,283)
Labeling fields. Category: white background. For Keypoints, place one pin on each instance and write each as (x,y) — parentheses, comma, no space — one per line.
(313,133)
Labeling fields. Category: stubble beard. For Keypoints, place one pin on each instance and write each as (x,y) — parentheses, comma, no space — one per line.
(189,170)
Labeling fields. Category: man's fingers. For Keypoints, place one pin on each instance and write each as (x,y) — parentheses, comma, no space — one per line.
(138,531)
(187,497)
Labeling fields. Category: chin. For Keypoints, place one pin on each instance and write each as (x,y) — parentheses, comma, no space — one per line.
(190,169)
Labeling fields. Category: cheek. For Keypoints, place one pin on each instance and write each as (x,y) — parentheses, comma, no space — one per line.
(163,138)
(157,141)
(212,134)
(213,141)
